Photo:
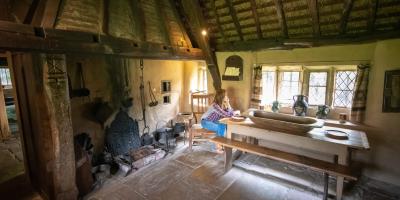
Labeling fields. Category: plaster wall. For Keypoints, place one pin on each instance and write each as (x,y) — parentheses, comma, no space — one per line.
(238,91)
(385,132)
(382,128)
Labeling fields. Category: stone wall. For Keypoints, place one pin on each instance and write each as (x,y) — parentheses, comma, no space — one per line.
(105,78)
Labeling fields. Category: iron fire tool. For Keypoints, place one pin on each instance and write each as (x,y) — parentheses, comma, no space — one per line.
(146,128)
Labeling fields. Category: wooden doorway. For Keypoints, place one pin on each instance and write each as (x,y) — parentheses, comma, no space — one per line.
(14,167)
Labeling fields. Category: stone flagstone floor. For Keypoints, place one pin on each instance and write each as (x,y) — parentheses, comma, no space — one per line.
(198,175)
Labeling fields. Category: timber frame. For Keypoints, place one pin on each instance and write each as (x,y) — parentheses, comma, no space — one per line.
(248,25)
(22,37)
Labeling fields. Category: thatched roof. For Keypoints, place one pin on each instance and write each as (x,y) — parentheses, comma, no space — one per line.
(232,22)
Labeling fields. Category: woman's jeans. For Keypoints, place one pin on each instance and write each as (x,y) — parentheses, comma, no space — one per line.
(214,126)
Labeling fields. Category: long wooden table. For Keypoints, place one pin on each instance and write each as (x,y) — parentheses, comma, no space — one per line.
(315,140)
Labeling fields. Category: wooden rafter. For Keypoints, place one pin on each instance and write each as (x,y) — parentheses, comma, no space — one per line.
(345,15)
(191,13)
(221,31)
(232,12)
(256,19)
(50,13)
(313,4)
(253,45)
(373,7)
(106,16)
(281,17)
(23,37)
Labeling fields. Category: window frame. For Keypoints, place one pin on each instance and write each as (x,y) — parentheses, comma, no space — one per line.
(334,86)
(279,69)
(307,85)
(304,79)
(278,83)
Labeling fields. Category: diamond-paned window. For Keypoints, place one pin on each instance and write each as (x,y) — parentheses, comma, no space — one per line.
(317,88)
(289,86)
(344,88)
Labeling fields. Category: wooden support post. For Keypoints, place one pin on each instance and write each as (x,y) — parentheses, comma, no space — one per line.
(326,186)
(256,18)
(228,158)
(232,12)
(193,16)
(343,159)
(313,6)
(281,17)
(373,7)
(4,128)
(220,29)
(348,5)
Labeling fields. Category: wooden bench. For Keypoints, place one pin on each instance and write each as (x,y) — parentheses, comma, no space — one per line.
(324,167)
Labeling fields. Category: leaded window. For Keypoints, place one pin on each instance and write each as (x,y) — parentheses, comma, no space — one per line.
(289,86)
(344,88)
(317,88)
(268,86)
(5,77)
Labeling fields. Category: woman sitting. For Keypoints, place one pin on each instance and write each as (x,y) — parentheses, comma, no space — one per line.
(218,110)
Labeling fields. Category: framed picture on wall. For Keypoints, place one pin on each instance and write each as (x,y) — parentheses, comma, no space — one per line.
(391,91)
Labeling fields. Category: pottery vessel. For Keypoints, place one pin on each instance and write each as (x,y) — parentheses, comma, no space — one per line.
(300,105)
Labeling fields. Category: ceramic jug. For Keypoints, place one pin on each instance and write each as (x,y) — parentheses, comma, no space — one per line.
(275,106)
(300,105)
(323,111)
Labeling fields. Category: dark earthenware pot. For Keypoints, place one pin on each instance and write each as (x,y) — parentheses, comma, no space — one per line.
(300,105)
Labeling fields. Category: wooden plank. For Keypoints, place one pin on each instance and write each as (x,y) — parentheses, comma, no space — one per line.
(232,13)
(109,45)
(191,13)
(50,13)
(4,128)
(281,17)
(106,16)
(221,31)
(252,45)
(293,159)
(256,18)
(348,5)
(313,5)
(373,7)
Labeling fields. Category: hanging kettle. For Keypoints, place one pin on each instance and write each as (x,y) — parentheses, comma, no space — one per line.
(300,105)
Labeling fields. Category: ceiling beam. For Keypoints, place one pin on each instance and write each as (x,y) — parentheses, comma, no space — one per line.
(281,17)
(221,31)
(23,37)
(50,13)
(232,12)
(373,7)
(345,15)
(313,5)
(253,45)
(256,19)
(192,14)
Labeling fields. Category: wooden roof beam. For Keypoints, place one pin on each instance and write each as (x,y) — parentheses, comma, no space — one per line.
(373,7)
(281,17)
(345,15)
(313,4)
(217,19)
(253,45)
(234,18)
(256,19)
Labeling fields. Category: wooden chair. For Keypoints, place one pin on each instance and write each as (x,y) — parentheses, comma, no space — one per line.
(199,105)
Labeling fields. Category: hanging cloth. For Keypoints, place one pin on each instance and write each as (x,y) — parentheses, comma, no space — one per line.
(360,94)
(256,92)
